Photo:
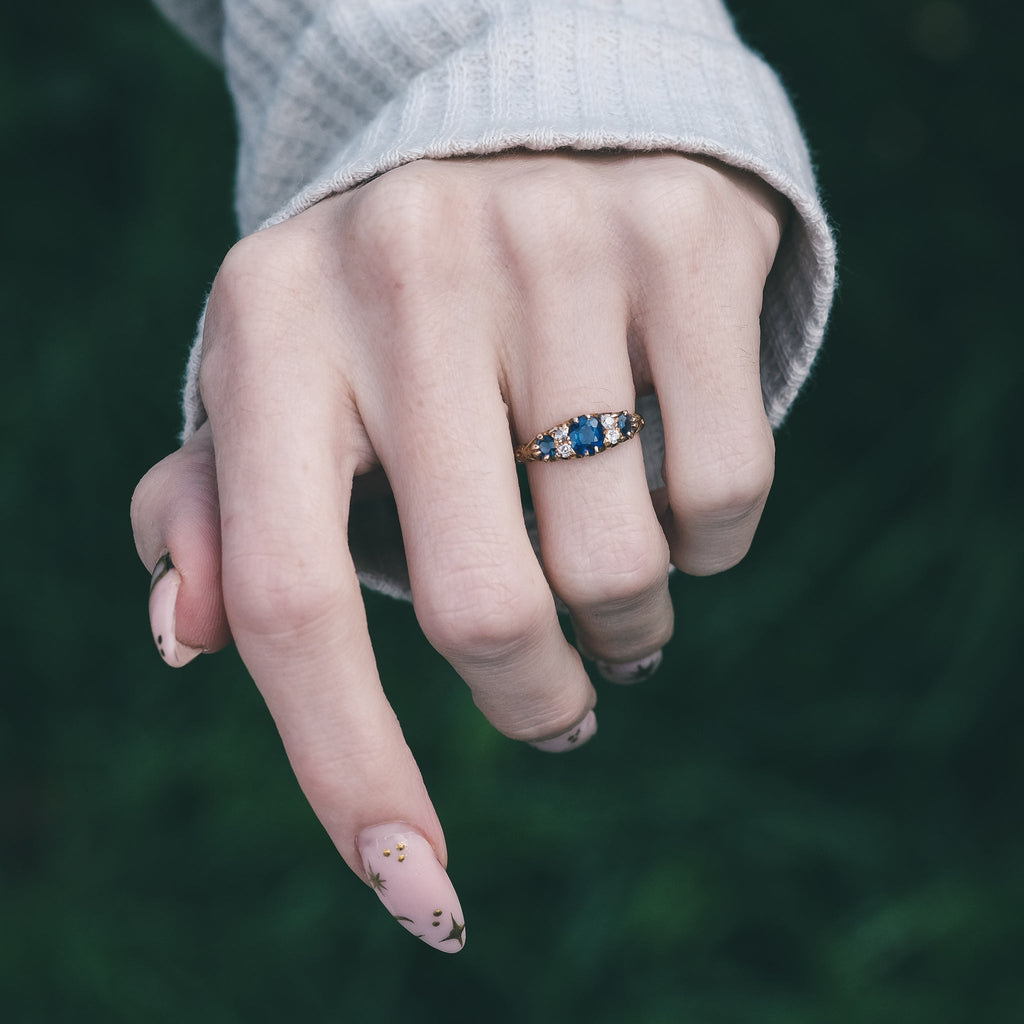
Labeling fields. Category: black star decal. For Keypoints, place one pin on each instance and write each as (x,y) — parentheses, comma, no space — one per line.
(645,671)
(456,932)
(376,881)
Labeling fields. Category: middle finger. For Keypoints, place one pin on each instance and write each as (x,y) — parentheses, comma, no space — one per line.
(441,433)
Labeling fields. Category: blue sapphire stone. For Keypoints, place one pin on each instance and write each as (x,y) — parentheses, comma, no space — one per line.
(625,424)
(546,447)
(586,435)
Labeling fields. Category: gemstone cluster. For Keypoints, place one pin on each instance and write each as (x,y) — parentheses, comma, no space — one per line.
(582,436)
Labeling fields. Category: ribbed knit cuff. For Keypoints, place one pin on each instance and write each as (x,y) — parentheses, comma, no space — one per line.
(354,90)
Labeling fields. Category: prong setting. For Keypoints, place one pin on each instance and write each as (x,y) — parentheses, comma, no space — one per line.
(582,436)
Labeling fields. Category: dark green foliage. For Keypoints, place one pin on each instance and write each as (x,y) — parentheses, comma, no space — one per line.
(812,814)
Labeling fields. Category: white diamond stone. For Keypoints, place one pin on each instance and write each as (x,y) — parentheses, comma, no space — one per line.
(560,433)
(612,435)
(564,451)
(608,420)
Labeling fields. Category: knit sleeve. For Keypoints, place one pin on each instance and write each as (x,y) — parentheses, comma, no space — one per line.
(330,93)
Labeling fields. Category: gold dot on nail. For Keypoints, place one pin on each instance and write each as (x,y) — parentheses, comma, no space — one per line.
(436,924)
(387,853)
(438,913)
(400,847)
(401,856)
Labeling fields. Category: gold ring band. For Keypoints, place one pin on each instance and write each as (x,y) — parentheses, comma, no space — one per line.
(587,434)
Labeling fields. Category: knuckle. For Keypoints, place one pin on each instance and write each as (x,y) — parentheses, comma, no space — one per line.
(481,618)
(550,222)
(279,595)
(245,260)
(411,225)
(716,507)
(261,277)
(164,497)
(729,488)
(275,258)
(556,200)
(326,776)
(618,568)
(728,229)
(176,503)
(693,195)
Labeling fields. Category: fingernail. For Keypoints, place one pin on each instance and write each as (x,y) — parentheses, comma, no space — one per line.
(627,672)
(574,737)
(404,873)
(163,597)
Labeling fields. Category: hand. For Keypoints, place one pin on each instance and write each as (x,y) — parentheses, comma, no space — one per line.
(421,325)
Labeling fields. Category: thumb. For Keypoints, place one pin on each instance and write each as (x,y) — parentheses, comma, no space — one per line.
(176,521)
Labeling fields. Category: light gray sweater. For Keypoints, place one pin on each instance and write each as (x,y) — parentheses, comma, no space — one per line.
(329,93)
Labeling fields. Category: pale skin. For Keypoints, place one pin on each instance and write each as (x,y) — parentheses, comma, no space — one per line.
(503,295)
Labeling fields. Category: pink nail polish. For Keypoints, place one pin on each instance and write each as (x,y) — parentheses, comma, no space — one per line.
(571,738)
(163,597)
(628,672)
(405,874)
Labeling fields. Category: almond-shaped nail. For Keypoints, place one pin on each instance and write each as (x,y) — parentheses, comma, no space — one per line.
(571,738)
(405,874)
(628,672)
(163,597)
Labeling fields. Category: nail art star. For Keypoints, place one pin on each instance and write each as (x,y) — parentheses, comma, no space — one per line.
(644,671)
(455,933)
(376,881)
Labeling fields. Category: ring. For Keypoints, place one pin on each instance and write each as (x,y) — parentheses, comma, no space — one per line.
(581,436)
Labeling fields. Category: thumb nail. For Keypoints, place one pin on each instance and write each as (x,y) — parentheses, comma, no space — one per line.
(405,874)
(163,598)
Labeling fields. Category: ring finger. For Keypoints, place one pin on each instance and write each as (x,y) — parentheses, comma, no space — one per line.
(603,549)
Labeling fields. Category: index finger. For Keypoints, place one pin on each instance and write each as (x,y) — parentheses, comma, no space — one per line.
(284,473)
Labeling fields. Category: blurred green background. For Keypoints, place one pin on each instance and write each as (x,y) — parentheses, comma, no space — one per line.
(813,813)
